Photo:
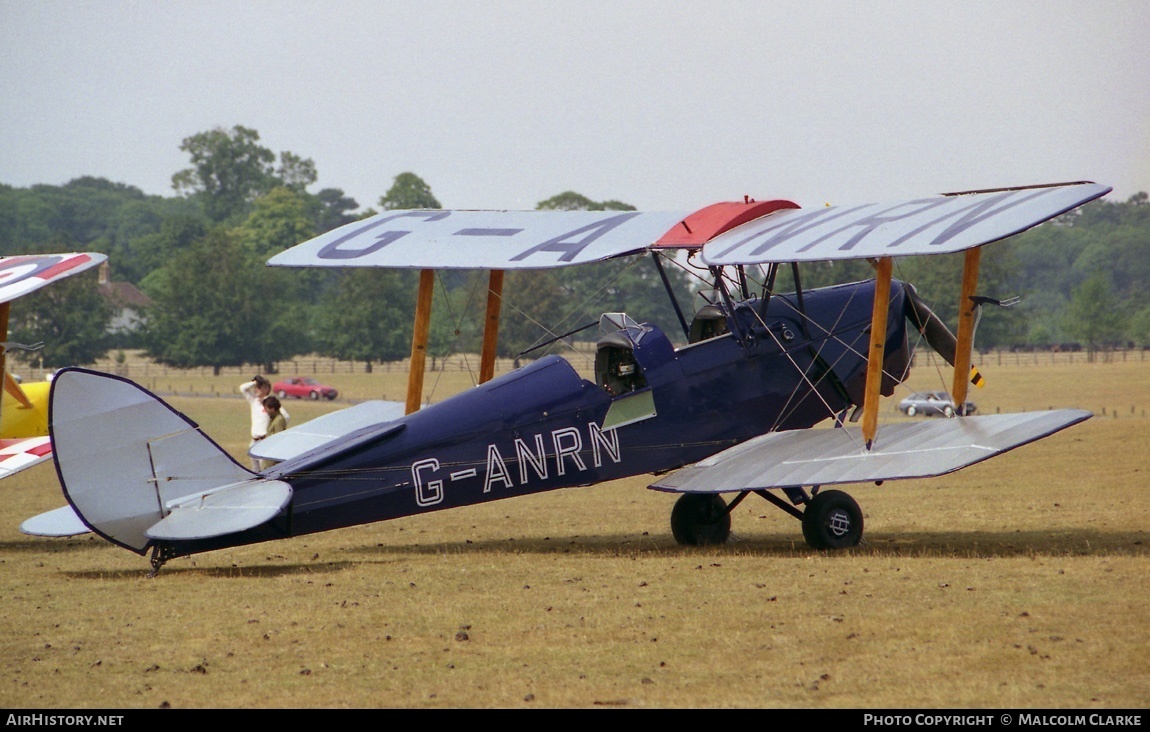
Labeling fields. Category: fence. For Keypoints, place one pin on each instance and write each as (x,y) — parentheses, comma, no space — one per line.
(134,366)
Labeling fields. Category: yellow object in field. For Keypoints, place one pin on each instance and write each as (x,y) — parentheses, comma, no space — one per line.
(18,420)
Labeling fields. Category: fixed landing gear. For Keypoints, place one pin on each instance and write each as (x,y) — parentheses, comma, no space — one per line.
(700,519)
(831,519)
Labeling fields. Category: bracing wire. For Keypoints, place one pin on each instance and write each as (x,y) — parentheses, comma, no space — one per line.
(573,312)
(458,329)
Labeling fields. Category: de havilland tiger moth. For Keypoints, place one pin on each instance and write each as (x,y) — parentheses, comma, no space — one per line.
(730,412)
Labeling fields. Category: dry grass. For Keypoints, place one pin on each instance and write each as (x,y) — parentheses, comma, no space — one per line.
(1020,582)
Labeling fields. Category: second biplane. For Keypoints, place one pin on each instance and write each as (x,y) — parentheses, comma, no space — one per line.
(24,438)
(729,412)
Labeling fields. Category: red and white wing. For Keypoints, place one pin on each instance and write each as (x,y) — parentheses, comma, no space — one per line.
(17,454)
(22,275)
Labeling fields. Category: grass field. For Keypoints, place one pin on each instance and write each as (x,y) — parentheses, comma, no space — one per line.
(1019,582)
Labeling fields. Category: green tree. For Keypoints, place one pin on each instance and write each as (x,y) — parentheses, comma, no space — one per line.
(333,209)
(295,172)
(230,169)
(408,191)
(368,317)
(215,304)
(572,201)
(25,221)
(70,318)
(1093,315)
(142,255)
(1139,330)
(278,221)
(87,213)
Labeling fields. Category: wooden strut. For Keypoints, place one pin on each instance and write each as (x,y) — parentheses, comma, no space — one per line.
(877,350)
(491,326)
(964,340)
(419,340)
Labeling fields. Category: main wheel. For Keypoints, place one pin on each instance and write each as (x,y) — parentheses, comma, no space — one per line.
(911,411)
(832,520)
(314,395)
(700,519)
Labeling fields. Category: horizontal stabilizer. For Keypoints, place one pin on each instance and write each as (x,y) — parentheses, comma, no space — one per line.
(221,511)
(937,225)
(62,521)
(481,239)
(318,432)
(18,454)
(832,456)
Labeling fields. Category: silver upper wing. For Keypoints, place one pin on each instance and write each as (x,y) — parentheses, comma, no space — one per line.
(937,225)
(437,239)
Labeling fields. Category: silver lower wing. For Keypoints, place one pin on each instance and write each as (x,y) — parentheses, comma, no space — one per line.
(321,431)
(832,456)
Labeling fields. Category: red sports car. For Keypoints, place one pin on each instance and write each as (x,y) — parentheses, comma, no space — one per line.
(301,388)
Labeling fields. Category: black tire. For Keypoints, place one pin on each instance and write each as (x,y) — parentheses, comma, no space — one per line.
(700,519)
(281,394)
(832,520)
(315,395)
(911,411)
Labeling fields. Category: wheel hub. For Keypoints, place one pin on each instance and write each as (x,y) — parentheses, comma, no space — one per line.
(839,522)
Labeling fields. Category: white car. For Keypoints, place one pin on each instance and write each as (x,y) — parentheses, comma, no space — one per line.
(931,403)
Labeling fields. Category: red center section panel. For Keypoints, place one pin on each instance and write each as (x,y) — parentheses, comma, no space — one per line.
(707,223)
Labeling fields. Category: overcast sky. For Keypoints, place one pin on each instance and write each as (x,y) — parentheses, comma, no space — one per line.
(666,105)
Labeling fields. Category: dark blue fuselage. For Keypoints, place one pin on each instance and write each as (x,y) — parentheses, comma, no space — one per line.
(541,427)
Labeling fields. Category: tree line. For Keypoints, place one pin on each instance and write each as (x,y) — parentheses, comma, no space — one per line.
(200,255)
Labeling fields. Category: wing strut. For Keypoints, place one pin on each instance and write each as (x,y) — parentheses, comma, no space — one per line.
(419,340)
(877,348)
(671,294)
(967,308)
(491,326)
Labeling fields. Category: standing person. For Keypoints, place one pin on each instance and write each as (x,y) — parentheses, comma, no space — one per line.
(277,422)
(255,391)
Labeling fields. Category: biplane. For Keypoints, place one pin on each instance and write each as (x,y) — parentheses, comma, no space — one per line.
(24,440)
(730,412)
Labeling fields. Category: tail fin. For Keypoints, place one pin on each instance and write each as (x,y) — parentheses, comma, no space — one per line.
(132,466)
